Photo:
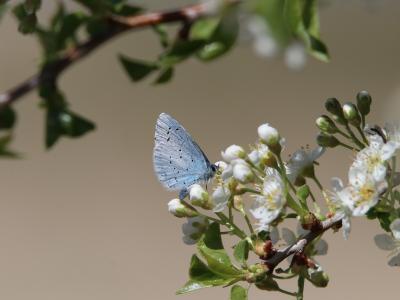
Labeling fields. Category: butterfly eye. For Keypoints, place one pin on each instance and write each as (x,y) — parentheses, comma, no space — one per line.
(214,168)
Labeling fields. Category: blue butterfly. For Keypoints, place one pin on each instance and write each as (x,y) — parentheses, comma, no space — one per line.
(178,160)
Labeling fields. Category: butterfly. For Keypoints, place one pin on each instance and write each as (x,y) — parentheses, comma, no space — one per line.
(178,160)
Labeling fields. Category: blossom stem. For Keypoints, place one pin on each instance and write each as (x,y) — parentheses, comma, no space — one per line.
(300,284)
(347,146)
(362,135)
(249,190)
(294,205)
(246,217)
(343,134)
(353,137)
(284,277)
(255,167)
(318,183)
(286,292)
(235,230)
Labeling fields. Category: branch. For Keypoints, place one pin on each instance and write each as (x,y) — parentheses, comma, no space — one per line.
(300,245)
(116,26)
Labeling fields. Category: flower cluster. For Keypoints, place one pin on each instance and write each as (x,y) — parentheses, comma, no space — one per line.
(265,189)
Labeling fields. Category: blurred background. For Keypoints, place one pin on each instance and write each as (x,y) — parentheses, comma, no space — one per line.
(88,219)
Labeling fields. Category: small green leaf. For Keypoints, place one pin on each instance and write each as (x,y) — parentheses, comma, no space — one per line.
(204,29)
(241,251)
(5,140)
(65,123)
(162,33)
(180,51)
(212,237)
(137,69)
(31,6)
(27,22)
(202,277)
(238,293)
(7,118)
(219,262)
(165,76)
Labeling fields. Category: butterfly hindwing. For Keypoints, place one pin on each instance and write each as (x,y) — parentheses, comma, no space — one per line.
(178,160)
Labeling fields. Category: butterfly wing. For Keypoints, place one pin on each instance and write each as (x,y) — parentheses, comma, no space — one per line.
(178,160)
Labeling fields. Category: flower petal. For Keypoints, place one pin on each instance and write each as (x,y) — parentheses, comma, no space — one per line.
(385,242)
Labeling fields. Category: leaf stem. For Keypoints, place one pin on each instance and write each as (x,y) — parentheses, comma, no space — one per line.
(300,291)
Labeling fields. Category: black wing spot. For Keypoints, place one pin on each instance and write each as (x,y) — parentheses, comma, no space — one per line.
(168,139)
(170,162)
(180,150)
(168,132)
(177,129)
(192,160)
(180,156)
(169,128)
(184,182)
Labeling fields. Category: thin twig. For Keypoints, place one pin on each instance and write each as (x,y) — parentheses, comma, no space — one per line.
(115,26)
(300,245)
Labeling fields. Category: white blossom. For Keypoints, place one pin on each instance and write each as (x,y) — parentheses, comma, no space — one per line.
(243,173)
(233,152)
(391,243)
(220,198)
(178,209)
(198,196)
(395,228)
(301,160)
(272,200)
(295,56)
(193,229)
(268,133)
(372,158)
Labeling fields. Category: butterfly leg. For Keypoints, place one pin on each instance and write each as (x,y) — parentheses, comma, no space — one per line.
(183,193)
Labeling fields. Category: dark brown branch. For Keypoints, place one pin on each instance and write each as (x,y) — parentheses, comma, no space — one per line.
(300,245)
(116,26)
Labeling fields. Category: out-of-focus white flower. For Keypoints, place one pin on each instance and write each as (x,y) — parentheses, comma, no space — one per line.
(194,229)
(372,159)
(233,152)
(220,198)
(391,243)
(199,197)
(263,42)
(393,133)
(295,56)
(272,200)
(243,173)
(395,228)
(301,162)
(288,236)
(178,209)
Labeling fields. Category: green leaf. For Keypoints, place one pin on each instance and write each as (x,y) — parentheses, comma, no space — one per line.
(27,22)
(137,69)
(162,33)
(212,237)
(241,251)
(204,29)
(65,123)
(202,277)
(238,293)
(211,248)
(318,49)
(31,6)
(68,28)
(5,140)
(223,38)
(292,12)
(7,118)
(165,76)
(179,51)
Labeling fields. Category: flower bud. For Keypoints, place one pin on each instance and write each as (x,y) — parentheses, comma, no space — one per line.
(364,102)
(318,277)
(238,204)
(233,152)
(325,140)
(220,198)
(326,125)
(199,197)
(180,210)
(333,106)
(270,137)
(351,114)
(243,173)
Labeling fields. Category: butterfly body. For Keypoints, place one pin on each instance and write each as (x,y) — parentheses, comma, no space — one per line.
(178,160)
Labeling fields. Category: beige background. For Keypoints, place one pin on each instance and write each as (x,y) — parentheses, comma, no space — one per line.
(88,220)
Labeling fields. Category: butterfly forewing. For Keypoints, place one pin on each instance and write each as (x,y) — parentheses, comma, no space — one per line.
(178,160)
